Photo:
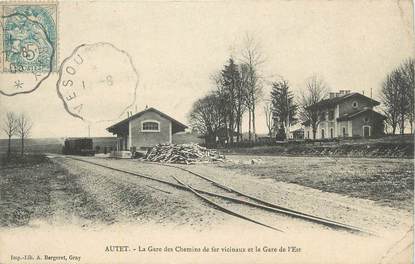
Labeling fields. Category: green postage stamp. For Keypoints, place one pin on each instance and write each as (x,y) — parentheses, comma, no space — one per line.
(28,44)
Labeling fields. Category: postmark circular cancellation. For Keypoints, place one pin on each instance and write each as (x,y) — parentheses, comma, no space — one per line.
(29,37)
(97,82)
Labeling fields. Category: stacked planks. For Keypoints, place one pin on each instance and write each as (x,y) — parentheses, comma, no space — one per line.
(183,154)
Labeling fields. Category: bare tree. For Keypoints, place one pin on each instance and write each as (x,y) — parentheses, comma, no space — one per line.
(24,125)
(390,100)
(407,74)
(241,101)
(316,90)
(398,96)
(269,117)
(206,118)
(10,128)
(252,57)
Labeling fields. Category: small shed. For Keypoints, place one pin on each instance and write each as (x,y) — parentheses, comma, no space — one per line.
(145,129)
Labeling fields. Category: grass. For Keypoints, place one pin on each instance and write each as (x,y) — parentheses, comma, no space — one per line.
(18,161)
(26,187)
(386,181)
(375,150)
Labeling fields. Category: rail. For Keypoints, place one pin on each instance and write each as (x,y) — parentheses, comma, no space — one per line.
(265,206)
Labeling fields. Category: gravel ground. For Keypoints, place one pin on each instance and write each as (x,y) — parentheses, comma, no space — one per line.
(82,197)
(116,197)
(389,182)
(359,212)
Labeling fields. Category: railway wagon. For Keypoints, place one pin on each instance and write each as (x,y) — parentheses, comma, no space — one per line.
(78,146)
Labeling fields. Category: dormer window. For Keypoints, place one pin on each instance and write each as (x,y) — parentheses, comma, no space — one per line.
(150,126)
(355,104)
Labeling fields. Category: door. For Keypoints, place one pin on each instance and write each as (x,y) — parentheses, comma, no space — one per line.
(366,131)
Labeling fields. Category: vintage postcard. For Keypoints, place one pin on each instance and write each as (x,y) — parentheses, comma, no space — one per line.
(207,131)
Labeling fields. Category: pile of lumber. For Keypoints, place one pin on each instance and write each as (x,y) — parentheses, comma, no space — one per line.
(184,154)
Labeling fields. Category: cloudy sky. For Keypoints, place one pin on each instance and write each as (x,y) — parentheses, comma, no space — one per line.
(177,46)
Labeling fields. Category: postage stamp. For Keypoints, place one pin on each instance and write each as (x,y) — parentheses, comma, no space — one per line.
(28,45)
(29,38)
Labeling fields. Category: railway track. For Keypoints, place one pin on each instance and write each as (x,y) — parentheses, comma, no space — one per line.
(267,205)
(238,198)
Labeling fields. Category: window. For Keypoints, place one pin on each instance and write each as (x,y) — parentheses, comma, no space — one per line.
(355,104)
(344,132)
(308,134)
(150,126)
(322,133)
(366,119)
(331,115)
(331,133)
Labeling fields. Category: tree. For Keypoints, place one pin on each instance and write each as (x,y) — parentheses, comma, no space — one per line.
(403,103)
(316,90)
(241,98)
(390,100)
(10,128)
(284,108)
(231,90)
(228,91)
(24,125)
(407,83)
(398,96)
(280,135)
(269,118)
(252,58)
(206,118)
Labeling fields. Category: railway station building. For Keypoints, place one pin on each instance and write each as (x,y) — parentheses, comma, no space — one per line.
(145,129)
(344,115)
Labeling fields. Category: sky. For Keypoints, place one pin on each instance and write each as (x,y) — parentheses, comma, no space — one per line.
(177,46)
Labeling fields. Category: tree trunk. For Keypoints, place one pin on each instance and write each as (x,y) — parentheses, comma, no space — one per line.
(8,147)
(226,134)
(22,150)
(402,126)
(238,129)
(253,121)
(249,127)
(231,132)
(231,125)
(238,121)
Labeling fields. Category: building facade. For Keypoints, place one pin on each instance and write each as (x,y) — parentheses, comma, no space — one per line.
(345,114)
(145,129)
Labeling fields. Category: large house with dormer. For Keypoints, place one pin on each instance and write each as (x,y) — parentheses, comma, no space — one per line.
(346,114)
